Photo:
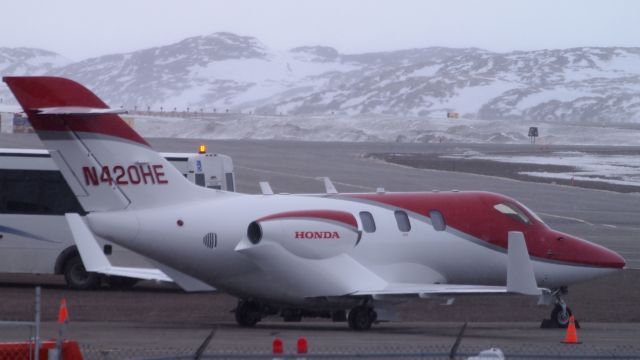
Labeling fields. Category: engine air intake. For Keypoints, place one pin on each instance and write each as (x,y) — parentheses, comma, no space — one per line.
(254,233)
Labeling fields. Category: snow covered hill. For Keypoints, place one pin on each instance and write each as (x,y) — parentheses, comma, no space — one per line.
(233,73)
(26,61)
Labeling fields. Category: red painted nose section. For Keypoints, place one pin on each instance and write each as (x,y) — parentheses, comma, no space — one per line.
(574,250)
(615,260)
(606,258)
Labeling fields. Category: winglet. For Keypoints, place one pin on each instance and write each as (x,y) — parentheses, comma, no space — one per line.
(265,188)
(329,188)
(520,276)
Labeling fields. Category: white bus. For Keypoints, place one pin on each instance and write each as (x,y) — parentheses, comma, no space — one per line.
(34,236)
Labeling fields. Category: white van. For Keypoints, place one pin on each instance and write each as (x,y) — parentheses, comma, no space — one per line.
(34,236)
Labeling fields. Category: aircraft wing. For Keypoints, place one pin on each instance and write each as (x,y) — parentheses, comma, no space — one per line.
(424,290)
(96,261)
(520,278)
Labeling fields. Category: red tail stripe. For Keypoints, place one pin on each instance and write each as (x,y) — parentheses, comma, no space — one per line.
(45,91)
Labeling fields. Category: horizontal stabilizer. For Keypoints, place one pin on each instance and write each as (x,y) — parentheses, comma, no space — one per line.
(96,261)
(186,282)
(77,110)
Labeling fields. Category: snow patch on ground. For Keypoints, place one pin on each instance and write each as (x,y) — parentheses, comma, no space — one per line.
(612,169)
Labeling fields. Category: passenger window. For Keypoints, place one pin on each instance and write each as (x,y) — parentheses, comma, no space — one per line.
(368,224)
(403,221)
(437,220)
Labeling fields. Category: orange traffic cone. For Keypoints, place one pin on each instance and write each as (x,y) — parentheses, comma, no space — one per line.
(572,333)
(63,315)
(278,346)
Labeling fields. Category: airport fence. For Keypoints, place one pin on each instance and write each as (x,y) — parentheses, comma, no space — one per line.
(524,352)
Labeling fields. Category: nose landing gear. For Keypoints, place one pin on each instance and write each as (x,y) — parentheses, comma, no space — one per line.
(560,315)
(561,312)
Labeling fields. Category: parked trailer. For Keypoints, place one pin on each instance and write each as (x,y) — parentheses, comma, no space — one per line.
(34,235)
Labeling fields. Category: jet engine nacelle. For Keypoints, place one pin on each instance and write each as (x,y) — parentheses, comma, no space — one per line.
(308,234)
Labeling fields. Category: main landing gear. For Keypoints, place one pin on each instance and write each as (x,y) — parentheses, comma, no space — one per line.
(362,317)
(248,313)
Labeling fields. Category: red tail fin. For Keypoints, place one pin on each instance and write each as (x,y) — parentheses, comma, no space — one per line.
(106,163)
(40,92)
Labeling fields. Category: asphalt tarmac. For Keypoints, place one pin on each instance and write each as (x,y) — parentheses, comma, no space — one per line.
(606,307)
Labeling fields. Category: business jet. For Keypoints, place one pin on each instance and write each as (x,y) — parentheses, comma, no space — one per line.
(346,256)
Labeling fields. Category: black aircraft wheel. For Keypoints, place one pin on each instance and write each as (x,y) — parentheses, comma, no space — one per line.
(248,313)
(361,318)
(77,276)
(559,317)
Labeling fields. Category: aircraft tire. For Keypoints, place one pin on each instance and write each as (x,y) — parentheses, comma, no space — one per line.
(361,318)
(248,313)
(559,318)
(77,277)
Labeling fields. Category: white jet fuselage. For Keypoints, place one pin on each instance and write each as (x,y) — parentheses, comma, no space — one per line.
(274,270)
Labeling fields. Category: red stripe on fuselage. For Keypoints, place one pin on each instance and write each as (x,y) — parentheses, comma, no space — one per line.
(339,216)
(44,91)
(473,213)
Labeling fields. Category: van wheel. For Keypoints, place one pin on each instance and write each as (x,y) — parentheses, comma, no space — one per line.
(77,276)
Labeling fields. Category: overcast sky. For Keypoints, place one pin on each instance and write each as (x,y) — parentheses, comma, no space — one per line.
(79,29)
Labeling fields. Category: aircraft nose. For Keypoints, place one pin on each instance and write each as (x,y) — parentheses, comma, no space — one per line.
(614,260)
(603,257)
(588,253)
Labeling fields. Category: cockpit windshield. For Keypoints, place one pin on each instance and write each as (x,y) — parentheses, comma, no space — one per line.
(513,211)
(535,216)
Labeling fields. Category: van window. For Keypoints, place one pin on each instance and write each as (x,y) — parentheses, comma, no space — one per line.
(437,220)
(37,192)
(403,221)
(368,224)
